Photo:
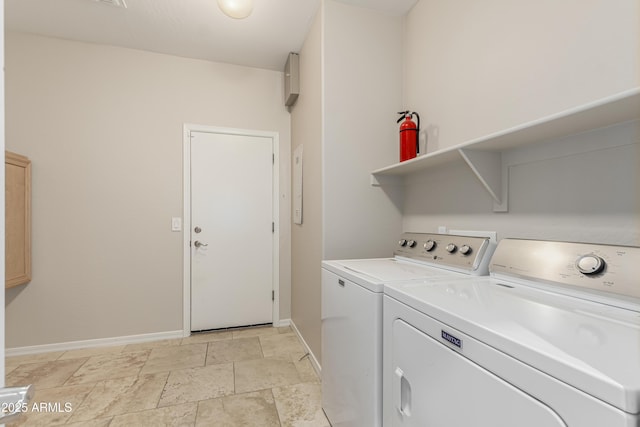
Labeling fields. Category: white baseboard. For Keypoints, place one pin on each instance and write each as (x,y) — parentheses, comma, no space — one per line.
(101,342)
(312,357)
(282,323)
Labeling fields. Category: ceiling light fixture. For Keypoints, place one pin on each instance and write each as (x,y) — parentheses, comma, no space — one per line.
(237,9)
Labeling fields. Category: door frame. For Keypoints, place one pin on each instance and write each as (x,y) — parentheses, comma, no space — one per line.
(186,214)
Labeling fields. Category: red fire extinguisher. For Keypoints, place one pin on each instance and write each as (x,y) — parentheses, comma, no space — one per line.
(409,132)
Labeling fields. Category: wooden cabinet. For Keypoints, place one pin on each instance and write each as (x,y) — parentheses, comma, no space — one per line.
(17,219)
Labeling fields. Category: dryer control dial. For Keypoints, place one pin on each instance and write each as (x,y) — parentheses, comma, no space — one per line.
(465,249)
(402,242)
(451,248)
(590,264)
(429,245)
(412,243)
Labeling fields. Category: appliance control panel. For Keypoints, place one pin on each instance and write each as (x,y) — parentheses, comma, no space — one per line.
(465,253)
(602,268)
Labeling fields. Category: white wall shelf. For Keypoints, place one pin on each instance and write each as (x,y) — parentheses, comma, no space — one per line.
(484,155)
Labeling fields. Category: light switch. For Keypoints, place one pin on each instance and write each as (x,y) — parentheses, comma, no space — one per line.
(176,224)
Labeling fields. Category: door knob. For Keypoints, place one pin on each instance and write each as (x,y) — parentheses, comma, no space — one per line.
(199,244)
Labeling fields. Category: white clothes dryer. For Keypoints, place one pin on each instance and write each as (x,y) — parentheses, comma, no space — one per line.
(551,338)
(352,316)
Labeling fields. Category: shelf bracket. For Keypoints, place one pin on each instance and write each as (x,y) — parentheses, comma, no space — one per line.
(385,180)
(487,166)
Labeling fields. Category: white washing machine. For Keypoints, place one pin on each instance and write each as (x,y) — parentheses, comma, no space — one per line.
(551,338)
(352,316)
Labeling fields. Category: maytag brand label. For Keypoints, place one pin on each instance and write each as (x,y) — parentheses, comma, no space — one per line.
(452,339)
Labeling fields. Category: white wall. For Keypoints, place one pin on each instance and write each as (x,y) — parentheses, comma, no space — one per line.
(583,188)
(351,69)
(306,238)
(474,68)
(103,128)
(480,67)
(362,94)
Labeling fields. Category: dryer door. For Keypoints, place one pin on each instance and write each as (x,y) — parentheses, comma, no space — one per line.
(435,386)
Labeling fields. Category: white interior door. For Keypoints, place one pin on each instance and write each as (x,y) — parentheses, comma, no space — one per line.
(231,230)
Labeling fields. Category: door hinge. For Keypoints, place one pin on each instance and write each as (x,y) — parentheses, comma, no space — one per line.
(273,227)
(273,295)
(273,158)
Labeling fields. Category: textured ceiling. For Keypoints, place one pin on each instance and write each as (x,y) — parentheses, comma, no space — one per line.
(188,28)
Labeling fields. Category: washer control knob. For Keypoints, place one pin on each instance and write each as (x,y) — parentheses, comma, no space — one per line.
(590,264)
(403,242)
(465,249)
(412,243)
(429,245)
(451,248)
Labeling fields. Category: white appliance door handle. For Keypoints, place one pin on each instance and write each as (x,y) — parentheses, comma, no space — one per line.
(14,401)
(402,393)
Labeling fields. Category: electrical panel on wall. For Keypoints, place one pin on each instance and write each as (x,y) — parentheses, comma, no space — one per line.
(291,79)
(297,185)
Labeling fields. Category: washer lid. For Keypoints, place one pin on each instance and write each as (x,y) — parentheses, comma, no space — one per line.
(393,269)
(591,346)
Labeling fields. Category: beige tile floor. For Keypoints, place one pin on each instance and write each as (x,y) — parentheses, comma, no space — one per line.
(246,377)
